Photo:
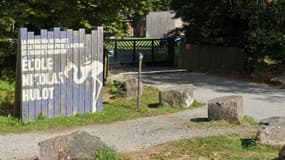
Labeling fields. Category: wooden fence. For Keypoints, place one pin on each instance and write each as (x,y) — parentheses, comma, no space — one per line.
(59,73)
(212,59)
(158,24)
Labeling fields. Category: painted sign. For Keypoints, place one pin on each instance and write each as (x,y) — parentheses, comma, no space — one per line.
(60,73)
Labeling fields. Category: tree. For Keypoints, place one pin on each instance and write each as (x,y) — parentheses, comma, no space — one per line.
(46,14)
(256,26)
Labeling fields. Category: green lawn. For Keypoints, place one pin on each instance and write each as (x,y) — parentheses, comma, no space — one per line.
(118,109)
(213,147)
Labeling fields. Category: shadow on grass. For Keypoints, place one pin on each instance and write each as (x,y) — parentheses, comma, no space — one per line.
(200,119)
(6,111)
(154,105)
(248,142)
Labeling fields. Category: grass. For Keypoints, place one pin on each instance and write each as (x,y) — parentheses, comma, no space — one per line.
(118,109)
(107,154)
(204,123)
(213,147)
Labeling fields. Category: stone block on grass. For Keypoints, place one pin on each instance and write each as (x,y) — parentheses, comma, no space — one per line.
(272,131)
(129,88)
(177,96)
(228,108)
(75,146)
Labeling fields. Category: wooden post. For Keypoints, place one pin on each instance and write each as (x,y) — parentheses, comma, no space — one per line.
(152,51)
(139,81)
(106,65)
(116,50)
(170,51)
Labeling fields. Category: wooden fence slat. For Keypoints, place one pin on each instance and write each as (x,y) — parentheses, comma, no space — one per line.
(31,93)
(57,56)
(94,37)
(69,59)
(63,86)
(100,55)
(83,71)
(24,106)
(37,51)
(44,37)
(100,66)
(88,89)
(50,55)
(75,100)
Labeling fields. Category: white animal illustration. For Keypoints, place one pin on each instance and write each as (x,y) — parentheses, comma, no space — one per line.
(93,67)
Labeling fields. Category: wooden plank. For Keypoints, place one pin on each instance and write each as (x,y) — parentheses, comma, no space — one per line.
(63,86)
(51,112)
(38,56)
(24,106)
(31,96)
(83,69)
(44,43)
(57,56)
(17,99)
(88,89)
(69,81)
(94,39)
(100,68)
(75,100)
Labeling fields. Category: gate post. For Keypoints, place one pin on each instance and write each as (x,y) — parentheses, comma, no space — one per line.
(116,50)
(152,51)
(134,52)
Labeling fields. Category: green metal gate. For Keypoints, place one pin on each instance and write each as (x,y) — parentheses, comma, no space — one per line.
(157,52)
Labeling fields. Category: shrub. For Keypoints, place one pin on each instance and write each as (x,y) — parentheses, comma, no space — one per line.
(106,154)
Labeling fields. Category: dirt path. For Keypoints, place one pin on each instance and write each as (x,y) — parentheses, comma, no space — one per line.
(125,136)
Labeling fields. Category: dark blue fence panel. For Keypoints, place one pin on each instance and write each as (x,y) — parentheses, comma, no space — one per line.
(60,73)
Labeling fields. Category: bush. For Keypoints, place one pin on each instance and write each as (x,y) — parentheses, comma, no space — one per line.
(106,154)
(114,86)
(7,91)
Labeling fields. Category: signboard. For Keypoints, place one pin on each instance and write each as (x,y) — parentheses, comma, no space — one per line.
(59,73)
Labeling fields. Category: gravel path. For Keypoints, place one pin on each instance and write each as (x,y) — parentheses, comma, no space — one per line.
(125,136)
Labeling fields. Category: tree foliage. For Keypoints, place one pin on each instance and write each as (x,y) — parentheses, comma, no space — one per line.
(257,26)
(46,14)
(37,14)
